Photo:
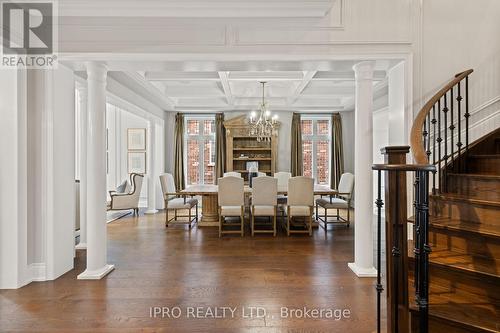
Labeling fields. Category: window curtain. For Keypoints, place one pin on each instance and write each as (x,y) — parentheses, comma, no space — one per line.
(296,151)
(180,182)
(220,146)
(337,152)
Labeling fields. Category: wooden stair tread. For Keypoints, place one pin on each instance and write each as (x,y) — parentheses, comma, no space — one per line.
(463,198)
(476,175)
(461,307)
(480,265)
(447,223)
(478,317)
(484,156)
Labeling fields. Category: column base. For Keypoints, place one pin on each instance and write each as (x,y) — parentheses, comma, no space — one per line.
(362,272)
(151,211)
(97,274)
(81,246)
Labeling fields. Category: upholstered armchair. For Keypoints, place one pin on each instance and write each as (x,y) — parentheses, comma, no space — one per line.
(342,200)
(177,201)
(130,200)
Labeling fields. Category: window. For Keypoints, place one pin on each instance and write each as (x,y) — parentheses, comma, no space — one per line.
(200,149)
(316,148)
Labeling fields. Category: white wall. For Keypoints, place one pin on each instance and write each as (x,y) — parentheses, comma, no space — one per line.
(458,35)
(13,177)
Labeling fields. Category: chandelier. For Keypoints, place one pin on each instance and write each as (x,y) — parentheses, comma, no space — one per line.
(264,126)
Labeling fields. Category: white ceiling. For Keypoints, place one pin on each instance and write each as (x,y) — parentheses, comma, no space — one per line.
(242,90)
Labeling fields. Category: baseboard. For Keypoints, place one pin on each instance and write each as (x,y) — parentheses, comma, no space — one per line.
(38,271)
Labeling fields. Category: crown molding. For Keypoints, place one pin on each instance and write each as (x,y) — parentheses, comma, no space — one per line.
(198,8)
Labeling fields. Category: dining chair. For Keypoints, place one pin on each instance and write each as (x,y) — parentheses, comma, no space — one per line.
(177,201)
(231,203)
(232,174)
(282,178)
(264,202)
(300,203)
(341,200)
(128,199)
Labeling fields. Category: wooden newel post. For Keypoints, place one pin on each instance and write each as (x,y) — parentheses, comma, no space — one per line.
(396,241)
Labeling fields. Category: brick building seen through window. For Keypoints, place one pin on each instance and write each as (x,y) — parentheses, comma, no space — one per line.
(316,148)
(200,150)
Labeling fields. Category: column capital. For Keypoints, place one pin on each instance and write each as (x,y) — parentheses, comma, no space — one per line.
(363,70)
(96,71)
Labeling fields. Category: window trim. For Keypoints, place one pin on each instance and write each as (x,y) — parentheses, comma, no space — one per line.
(314,138)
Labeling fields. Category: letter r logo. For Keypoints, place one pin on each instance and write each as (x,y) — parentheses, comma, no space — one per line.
(27,27)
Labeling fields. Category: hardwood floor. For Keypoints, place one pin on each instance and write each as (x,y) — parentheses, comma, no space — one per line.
(178,267)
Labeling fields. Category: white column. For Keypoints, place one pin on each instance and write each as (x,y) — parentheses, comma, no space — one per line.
(97,266)
(82,102)
(151,170)
(363,160)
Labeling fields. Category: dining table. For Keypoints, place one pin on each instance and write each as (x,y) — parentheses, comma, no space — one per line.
(209,196)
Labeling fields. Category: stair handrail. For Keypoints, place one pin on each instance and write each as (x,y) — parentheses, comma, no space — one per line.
(416,144)
(444,111)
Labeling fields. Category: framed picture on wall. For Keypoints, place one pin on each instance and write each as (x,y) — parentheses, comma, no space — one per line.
(137,162)
(136,139)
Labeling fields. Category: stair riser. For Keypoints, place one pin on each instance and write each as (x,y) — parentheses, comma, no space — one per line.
(451,281)
(465,211)
(477,188)
(465,242)
(484,165)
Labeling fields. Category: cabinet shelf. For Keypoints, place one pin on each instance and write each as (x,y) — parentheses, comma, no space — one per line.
(252,159)
(253,148)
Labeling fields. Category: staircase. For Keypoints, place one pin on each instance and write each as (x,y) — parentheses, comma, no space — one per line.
(464,235)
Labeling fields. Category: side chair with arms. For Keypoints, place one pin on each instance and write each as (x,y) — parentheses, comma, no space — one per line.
(177,201)
(300,203)
(130,200)
(341,200)
(231,204)
(264,202)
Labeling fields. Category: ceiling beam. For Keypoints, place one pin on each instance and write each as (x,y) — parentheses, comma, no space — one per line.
(305,81)
(225,86)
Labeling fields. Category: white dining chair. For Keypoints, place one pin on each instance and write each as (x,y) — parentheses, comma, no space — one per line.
(300,203)
(177,201)
(341,200)
(282,178)
(232,174)
(231,203)
(264,202)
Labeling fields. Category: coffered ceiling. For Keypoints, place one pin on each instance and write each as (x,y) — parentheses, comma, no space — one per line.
(242,90)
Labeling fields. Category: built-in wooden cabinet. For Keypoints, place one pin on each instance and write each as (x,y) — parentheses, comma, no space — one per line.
(242,148)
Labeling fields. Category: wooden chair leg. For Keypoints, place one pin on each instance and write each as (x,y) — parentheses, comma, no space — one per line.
(189,217)
(252,221)
(274,223)
(317,212)
(220,224)
(326,220)
(310,221)
(196,213)
(348,216)
(288,221)
(242,220)
(166,218)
